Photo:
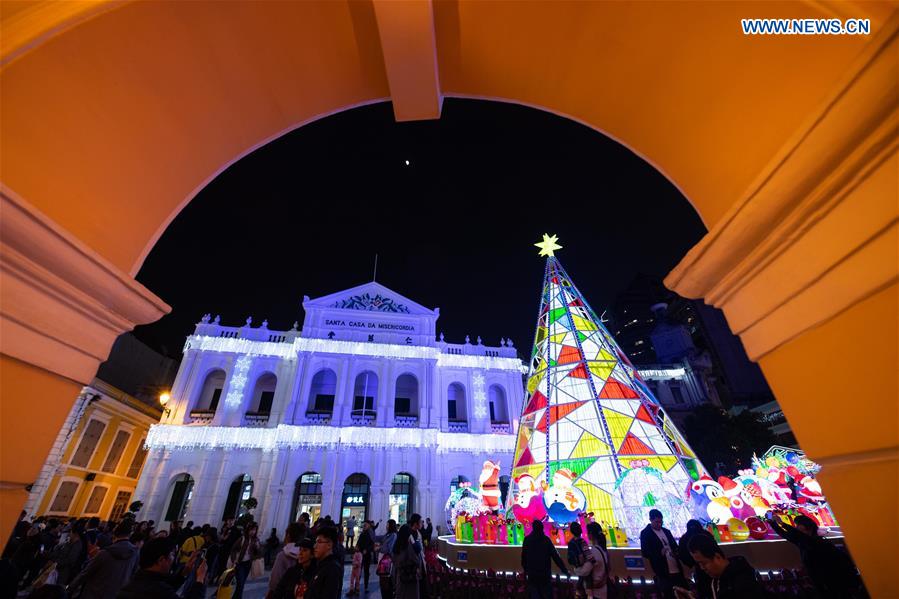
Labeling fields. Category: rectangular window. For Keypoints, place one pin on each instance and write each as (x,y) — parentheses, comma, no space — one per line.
(324,403)
(92,433)
(677,395)
(139,456)
(402,405)
(451,409)
(265,401)
(95,501)
(64,496)
(120,505)
(492,413)
(115,452)
(214,402)
(366,403)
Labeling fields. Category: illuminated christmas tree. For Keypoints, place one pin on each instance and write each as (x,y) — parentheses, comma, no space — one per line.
(591,432)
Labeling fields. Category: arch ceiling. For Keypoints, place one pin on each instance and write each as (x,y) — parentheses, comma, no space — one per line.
(116,113)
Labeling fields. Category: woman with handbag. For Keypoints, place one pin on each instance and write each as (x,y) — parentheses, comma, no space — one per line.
(596,565)
(385,563)
(244,554)
(407,565)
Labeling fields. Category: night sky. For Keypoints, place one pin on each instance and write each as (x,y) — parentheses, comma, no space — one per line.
(454,229)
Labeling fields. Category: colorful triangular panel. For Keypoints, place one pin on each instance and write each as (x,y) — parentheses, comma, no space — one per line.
(556,412)
(615,389)
(634,446)
(538,401)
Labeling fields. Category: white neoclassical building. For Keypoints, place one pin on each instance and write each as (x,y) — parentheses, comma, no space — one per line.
(365,411)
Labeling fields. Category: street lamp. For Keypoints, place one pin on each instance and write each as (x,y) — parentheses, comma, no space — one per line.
(164,398)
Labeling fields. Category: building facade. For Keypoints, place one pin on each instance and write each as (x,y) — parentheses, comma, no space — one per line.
(94,465)
(364,411)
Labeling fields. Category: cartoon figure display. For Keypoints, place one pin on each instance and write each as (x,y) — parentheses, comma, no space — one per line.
(528,505)
(563,502)
(489,480)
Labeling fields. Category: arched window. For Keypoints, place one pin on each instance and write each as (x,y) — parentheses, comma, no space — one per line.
(263,394)
(355,497)
(364,393)
(211,391)
(455,403)
(405,401)
(322,392)
(400,502)
(308,496)
(241,490)
(179,497)
(499,412)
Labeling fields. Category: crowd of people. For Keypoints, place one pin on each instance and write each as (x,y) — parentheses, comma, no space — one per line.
(697,553)
(88,559)
(719,576)
(81,558)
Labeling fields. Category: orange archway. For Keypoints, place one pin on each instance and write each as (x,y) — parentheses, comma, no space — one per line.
(115,113)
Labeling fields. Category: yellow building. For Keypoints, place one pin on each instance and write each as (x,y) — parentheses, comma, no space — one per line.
(93,466)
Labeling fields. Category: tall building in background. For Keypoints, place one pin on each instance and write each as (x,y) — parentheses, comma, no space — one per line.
(93,466)
(664,332)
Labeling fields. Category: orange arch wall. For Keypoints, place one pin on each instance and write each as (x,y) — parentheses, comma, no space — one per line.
(114,114)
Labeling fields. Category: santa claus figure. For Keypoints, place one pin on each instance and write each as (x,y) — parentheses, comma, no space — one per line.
(528,504)
(489,481)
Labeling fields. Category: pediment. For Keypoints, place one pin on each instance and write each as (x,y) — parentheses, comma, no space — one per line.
(370,297)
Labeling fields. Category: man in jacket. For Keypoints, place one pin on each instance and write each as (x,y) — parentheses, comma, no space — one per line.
(695,529)
(832,571)
(536,553)
(428,532)
(153,580)
(66,556)
(731,578)
(110,569)
(366,546)
(296,579)
(657,545)
(328,577)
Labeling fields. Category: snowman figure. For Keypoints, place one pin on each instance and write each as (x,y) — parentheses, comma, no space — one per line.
(563,501)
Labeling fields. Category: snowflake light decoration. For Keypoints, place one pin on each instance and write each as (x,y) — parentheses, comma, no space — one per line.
(238,381)
(479,395)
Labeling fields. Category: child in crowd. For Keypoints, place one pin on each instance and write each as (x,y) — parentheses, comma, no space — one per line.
(356,574)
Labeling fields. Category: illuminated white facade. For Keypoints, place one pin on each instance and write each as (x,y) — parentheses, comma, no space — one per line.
(366,388)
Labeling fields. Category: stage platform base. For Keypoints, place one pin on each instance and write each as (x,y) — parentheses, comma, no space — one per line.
(766,556)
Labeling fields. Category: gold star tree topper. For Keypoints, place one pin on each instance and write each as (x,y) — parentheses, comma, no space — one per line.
(548,245)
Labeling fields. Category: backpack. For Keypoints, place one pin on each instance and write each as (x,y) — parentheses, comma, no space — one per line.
(578,557)
(384,565)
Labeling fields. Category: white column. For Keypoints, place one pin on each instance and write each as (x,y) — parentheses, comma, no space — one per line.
(221,411)
(196,511)
(346,385)
(217,488)
(157,492)
(386,377)
(261,487)
(184,388)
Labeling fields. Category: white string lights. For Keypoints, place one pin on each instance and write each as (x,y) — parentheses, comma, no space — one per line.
(179,437)
(289,351)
